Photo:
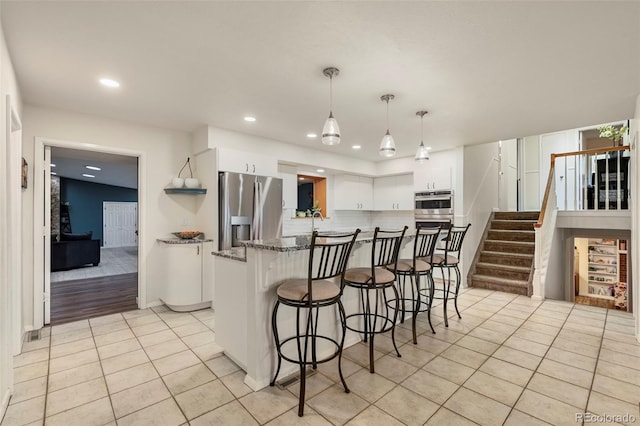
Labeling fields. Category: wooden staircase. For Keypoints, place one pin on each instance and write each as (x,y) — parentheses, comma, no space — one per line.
(504,261)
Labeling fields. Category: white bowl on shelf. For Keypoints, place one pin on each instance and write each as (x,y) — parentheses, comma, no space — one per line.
(191,183)
(177,182)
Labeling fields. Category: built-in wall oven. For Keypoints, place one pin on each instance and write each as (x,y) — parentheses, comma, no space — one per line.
(434,208)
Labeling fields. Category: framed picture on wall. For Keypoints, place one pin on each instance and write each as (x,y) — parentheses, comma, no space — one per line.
(25,170)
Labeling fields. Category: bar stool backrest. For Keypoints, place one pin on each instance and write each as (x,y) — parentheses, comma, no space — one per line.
(425,244)
(328,256)
(385,249)
(453,242)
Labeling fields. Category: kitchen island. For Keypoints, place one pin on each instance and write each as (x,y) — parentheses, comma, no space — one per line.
(246,294)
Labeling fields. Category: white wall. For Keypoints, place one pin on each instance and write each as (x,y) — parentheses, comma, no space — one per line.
(481,186)
(8,208)
(165,152)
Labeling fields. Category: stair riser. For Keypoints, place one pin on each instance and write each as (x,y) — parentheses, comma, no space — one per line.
(505,260)
(517,215)
(499,287)
(512,236)
(513,225)
(508,248)
(501,273)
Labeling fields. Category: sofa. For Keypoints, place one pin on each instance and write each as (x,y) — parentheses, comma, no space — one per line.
(74,251)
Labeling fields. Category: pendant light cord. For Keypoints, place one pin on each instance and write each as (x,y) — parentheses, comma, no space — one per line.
(331,95)
(387,115)
(422,129)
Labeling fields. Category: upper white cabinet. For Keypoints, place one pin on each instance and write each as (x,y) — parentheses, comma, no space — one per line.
(230,160)
(351,192)
(393,193)
(428,178)
(289,177)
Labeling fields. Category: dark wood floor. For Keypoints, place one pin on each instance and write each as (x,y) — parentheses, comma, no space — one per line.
(80,299)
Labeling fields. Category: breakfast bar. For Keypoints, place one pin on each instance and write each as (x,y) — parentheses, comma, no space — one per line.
(246,294)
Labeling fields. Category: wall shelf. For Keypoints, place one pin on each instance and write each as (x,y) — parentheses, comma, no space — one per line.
(192,191)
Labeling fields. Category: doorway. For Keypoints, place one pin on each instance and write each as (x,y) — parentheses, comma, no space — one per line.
(601,272)
(88,282)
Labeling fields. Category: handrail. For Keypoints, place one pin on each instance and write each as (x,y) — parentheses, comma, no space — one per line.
(547,190)
(593,151)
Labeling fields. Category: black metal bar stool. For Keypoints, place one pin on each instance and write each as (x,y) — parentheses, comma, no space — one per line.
(420,299)
(328,257)
(449,259)
(378,277)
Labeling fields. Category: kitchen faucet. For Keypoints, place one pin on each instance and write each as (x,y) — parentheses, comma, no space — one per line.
(313,216)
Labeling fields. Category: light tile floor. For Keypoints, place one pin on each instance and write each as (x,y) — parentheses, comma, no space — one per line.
(509,360)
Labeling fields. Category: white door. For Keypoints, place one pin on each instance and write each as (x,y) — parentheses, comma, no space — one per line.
(119,224)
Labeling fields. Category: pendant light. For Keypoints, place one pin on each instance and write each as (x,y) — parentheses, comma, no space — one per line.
(388,145)
(423,151)
(331,131)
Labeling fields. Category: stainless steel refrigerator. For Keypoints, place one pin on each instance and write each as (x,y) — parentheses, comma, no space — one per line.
(249,208)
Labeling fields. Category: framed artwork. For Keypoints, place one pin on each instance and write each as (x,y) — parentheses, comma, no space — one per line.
(25,170)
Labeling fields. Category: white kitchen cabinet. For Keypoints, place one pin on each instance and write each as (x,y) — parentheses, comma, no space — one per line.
(230,160)
(393,193)
(289,177)
(351,192)
(428,178)
(187,275)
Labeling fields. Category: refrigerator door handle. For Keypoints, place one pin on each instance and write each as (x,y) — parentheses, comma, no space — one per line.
(256,229)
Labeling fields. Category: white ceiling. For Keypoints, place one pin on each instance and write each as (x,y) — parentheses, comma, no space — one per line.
(485,71)
(116,170)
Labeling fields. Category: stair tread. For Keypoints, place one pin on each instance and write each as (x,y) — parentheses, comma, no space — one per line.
(504,267)
(507,254)
(519,231)
(508,281)
(528,243)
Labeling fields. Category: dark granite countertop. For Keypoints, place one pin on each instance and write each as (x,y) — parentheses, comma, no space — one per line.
(236,253)
(184,241)
(303,242)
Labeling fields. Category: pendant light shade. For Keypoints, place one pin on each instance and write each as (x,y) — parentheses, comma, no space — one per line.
(388,145)
(423,151)
(331,130)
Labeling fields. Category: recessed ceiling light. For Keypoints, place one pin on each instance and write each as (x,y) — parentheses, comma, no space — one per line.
(108,82)
(92,168)
(88,175)
(250,119)
(320,170)
(52,165)
(300,178)
(356,146)
(312,135)
(54,173)
(428,148)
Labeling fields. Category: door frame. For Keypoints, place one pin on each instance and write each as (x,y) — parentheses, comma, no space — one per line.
(40,227)
(104,206)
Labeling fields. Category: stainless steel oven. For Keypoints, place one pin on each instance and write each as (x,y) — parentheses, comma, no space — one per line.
(434,205)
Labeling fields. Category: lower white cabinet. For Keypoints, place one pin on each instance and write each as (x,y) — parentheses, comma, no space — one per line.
(393,193)
(188,274)
(352,192)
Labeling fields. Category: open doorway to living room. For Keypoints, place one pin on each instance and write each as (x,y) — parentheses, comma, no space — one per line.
(94,234)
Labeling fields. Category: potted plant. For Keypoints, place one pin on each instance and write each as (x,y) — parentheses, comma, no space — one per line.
(614,133)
